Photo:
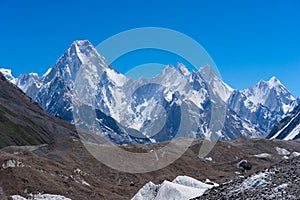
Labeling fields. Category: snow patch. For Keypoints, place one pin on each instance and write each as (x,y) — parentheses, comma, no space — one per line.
(208,159)
(40,197)
(282,151)
(293,133)
(287,125)
(118,78)
(12,163)
(80,172)
(169,96)
(285,157)
(294,155)
(263,155)
(47,72)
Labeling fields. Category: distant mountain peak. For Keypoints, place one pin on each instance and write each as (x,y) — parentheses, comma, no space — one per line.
(80,47)
(169,69)
(33,74)
(206,68)
(4,70)
(273,79)
(274,82)
(80,52)
(7,73)
(183,69)
(81,43)
(272,94)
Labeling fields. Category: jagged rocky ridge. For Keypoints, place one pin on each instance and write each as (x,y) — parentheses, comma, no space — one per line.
(147,110)
(288,128)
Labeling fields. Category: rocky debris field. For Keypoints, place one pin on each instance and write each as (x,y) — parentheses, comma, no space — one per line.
(281,181)
(66,168)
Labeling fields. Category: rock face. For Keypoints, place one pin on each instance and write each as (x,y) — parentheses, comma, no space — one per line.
(279,182)
(288,128)
(24,122)
(152,108)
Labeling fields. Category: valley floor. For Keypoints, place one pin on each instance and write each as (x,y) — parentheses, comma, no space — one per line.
(66,168)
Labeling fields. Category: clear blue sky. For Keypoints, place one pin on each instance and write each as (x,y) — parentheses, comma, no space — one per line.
(248,40)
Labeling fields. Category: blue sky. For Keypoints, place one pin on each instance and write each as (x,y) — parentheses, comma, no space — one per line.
(248,40)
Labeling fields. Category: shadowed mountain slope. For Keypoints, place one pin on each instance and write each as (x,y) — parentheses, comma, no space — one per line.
(24,122)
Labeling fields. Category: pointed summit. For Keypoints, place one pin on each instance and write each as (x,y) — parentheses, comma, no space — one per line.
(273,79)
(79,53)
(81,43)
(273,82)
(183,69)
(81,46)
(272,94)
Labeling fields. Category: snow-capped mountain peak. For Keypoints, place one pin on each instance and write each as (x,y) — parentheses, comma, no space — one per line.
(85,48)
(271,94)
(263,104)
(275,85)
(80,52)
(82,49)
(81,43)
(274,82)
(183,69)
(8,75)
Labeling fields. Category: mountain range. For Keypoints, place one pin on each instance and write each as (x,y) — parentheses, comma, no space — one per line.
(42,156)
(150,110)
